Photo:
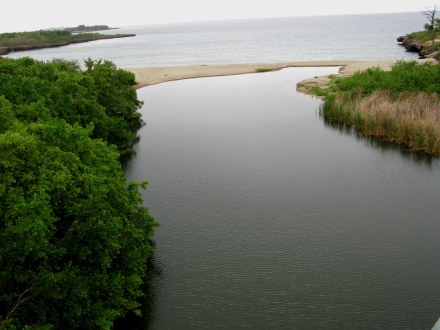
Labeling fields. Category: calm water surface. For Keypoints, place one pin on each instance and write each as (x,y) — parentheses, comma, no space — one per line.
(346,37)
(272,219)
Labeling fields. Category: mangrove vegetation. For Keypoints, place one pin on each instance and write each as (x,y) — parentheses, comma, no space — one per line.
(74,236)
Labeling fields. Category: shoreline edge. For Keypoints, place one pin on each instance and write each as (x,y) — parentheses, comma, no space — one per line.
(147,76)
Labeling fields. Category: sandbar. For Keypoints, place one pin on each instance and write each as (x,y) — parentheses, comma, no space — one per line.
(146,76)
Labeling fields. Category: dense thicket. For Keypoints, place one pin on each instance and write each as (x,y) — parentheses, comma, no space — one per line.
(74,236)
(102,95)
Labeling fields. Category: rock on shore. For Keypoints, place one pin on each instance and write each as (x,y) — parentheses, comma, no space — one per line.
(413,45)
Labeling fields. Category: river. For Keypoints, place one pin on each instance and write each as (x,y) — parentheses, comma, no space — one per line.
(271,218)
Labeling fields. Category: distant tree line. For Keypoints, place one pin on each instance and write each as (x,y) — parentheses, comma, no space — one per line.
(74,236)
(85,28)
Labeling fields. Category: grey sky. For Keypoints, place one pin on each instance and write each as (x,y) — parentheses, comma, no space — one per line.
(29,15)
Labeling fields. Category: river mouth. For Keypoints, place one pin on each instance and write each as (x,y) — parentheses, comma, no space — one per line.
(271,218)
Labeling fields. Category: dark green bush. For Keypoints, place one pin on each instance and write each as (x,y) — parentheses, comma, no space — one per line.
(102,95)
(74,236)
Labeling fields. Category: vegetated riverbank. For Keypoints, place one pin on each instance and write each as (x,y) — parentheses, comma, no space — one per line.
(401,105)
(75,237)
(21,41)
(318,86)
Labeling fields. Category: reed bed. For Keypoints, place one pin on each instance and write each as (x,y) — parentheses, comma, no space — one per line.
(401,105)
(412,119)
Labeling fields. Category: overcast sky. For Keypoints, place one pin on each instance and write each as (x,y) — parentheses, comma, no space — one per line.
(19,15)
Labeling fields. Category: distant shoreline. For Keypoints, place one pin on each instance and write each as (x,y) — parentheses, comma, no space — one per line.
(20,48)
(146,76)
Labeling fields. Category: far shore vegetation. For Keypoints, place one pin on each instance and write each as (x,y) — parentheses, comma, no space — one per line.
(88,28)
(20,41)
(401,105)
(262,70)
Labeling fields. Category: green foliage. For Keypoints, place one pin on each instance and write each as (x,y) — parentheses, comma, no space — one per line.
(84,28)
(400,105)
(44,36)
(47,38)
(74,236)
(102,95)
(433,27)
(261,70)
(404,77)
(337,111)
(113,91)
(319,92)
(424,36)
(19,38)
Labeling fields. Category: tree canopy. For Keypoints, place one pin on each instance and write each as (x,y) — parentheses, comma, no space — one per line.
(74,236)
(431,15)
(102,95)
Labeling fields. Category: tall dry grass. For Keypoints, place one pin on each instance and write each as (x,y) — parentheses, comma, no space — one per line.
(412,119)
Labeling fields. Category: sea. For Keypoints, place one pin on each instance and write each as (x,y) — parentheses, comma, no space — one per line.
(270,40)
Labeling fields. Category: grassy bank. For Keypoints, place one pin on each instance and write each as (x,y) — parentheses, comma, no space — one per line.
(401,105)
(19,41)
(424,36)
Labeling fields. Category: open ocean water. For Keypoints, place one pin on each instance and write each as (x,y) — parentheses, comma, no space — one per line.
(347,37)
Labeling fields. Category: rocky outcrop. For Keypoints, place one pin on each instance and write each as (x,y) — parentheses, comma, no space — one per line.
(424,49)
(410,44)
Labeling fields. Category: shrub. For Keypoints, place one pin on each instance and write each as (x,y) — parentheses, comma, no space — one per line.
(74,236)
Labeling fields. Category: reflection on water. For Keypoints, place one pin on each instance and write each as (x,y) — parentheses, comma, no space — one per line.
(269,219)
(380,144)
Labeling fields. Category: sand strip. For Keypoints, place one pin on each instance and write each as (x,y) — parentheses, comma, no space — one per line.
(146,76)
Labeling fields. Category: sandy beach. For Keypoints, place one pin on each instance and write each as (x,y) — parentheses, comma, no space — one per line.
(146,76)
